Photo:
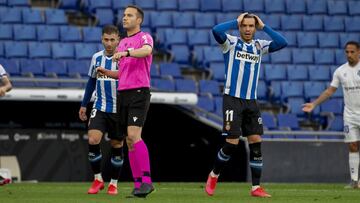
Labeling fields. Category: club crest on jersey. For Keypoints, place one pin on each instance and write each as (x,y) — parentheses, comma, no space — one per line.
(253,58)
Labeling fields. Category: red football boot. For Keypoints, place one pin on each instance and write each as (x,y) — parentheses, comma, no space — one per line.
(96,187)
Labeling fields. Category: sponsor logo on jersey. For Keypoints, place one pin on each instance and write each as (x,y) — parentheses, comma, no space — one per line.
(253,58)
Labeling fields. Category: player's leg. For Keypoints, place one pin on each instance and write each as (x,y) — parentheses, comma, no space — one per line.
(352,136)
(231,130)
(96,127)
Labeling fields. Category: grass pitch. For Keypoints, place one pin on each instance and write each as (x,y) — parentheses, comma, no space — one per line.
(178,192)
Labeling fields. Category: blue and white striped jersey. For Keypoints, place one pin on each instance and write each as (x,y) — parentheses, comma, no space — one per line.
(242,66)
(105,95)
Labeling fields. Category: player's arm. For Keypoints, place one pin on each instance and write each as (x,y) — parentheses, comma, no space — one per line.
(110,73)
(308,107)
(219,31)
(142,52)
(90,87)
(6,85)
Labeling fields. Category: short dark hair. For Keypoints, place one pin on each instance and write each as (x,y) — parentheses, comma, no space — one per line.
(250,15)
(110,29)
(356,44)
(139,10)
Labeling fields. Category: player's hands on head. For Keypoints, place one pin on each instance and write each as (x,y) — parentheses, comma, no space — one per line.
(241,17)
(259,23)
(308,107)
(82,113)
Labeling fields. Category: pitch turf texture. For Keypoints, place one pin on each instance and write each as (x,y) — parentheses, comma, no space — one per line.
(178,192)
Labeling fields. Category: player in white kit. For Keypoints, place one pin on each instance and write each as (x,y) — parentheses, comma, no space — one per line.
(348,76)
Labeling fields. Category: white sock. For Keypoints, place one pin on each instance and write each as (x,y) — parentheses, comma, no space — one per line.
(113,182)
(98,177)
(354,165)
(212,174)
(254,187)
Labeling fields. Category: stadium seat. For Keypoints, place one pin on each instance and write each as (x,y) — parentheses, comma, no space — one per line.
(54,68)
(209,86)
(70,34)
(218,105)
(31,68)
(313,22)
(262,74)
(166,5)
(275,6)
(210,5)
(3,2)
(183,20)
(189,5)
(206,103)
(170,69)
(337,124)
(280,57)
(296,6)
(333,105)
(198,54)
(262,91)
(68,5)
(93,5)
(269,121)
(212,54)
(62,50)
(295,106)
(333,23)
(24,33)
(78,68)
(254,6)
(292,89)
(297,72)
(39,50)
(337,7)
(11,16)
(316,7)
(154,71)
(2,52)
(12,66)
(288,122)
(302,56)
(146,4)
(224,17)
(6,32)
(275,91)
(48,33)
(352,24)
(275,72)
(319,73)
(104,17)
(161,19)
(175,36)
(116,4)
(15,49)
(354,8)
(92,34)
(291,38)
(166,85)
(328,40)
(340,57)
(291,22)
(18,3)
(198,37)
(307,39)
(186,85)
(313,89)
(345,37)
(324,56)
(32,16)
(85,50)
(55,17)
(204,20)
(180,53)
(272,20)
(217,71)
(232,5)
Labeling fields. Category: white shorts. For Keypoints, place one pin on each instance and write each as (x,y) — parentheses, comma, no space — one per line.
(351,132)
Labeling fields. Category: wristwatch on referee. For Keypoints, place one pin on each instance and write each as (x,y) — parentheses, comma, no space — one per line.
(127,53)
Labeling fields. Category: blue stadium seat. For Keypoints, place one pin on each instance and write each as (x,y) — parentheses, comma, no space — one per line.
(31,67)
(210,5)
(170,69)
(352,24)
(104,16)
(272,20)
(204,20)
(11,65)
(146,4)
(6,32)
(48,33)
(116,4)
(11,16)
(345,37)
(319,73)
(307,39)
(313,89)
(85,50)
(212,54)
(189,5)
(232,5)
(275,6)
(337,124)
(3,2)
(16,49)
(262,91)
(291,22)
(55,17)
(167,5)
(261,73)
(166,85)
(334,23)
(68,5)
(275,91)
(328,40)
(254,6)
(354,8)
(296,6)
(292,89)
(313,22)
(78,68)
(224,17)
(161,19)
(70,34)
(39,50)
(340,57)
(198,54)
(183,20)
(19,3)
(92,34)
(302,56)
(54,68)
(334,105)
(217,71)
(32,16)
(295,106)
(198,37)
(282,56)
(154,71)
(2,50)
(209,86)
(93,5)
(337,7)
(175,36)
(291,38)
(324,56)
(218,106)
(186,85)
(25,33)
(288,122)
(180,53)
(62,50)
(297,72)
(316,7)
(269,121)
(206,103)
(275,72)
